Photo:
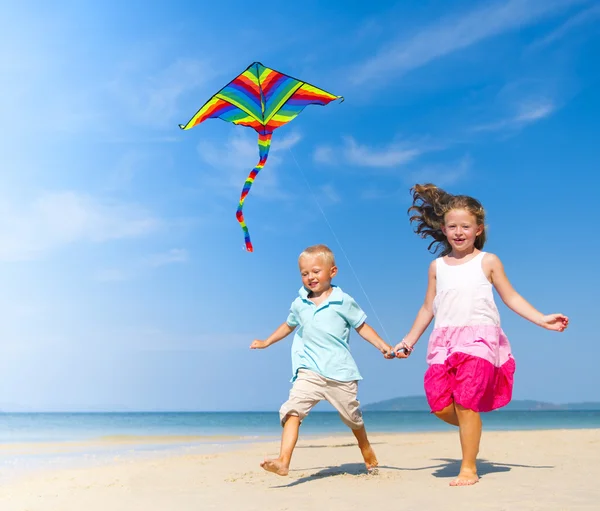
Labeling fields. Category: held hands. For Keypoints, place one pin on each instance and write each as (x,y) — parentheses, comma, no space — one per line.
(556,322)
(403,349)
(259,345)
(388,352)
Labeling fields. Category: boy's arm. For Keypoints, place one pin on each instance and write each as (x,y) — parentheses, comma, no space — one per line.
(355,317)
(423,319)
(517,303)
(282,331)
(370,335)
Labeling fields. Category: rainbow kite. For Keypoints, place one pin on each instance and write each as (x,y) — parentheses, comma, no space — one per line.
(263,99)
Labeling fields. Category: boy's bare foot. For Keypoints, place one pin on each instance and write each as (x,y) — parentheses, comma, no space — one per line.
(275,466)
(370,459)
(465,478)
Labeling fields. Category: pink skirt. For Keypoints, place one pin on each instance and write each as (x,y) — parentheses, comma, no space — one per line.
(470,381)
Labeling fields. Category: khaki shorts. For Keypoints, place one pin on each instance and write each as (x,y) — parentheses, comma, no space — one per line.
(310,388)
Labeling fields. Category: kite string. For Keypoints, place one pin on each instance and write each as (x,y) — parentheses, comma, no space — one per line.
(339,243)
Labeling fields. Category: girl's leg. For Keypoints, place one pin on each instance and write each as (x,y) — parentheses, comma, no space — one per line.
(448,415)
(289,437)
(365,448)
(469,423)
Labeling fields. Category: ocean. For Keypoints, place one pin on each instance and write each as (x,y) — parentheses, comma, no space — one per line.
(62,427)
(31,441)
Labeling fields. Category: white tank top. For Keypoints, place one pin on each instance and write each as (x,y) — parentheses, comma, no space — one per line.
(464,295)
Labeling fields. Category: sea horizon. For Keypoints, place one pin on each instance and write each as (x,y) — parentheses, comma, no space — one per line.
(19,427)
(413,403)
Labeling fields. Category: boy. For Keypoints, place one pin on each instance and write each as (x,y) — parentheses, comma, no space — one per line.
(321,361)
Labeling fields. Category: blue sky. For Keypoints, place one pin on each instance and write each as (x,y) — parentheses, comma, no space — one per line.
(124,281)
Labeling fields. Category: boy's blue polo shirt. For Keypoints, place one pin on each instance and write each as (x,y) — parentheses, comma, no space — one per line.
(321,344)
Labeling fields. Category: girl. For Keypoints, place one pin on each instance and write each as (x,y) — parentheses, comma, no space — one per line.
(471,368)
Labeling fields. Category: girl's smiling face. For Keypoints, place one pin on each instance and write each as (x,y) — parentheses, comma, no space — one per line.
(461,229)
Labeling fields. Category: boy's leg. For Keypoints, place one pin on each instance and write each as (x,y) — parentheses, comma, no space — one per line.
(289,437)
(304,395)
(469,423)
(366,450)
(342,396)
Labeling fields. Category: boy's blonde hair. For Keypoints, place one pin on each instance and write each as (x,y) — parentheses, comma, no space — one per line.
(319,250)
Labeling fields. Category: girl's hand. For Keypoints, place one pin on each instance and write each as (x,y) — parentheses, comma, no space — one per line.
(556,322)
(403,350)
(258,345)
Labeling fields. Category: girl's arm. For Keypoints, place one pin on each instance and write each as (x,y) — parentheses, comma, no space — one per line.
(516,302)
(424,316)
(370,335)
(282,331)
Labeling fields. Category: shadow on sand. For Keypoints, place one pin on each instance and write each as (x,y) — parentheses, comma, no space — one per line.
(448,467)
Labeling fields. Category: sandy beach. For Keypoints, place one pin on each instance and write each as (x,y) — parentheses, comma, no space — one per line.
(545,470)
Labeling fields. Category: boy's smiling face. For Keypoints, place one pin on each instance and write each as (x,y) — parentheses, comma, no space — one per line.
(316,273)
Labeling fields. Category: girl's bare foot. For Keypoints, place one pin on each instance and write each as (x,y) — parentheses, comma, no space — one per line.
(466,477)
(275,466)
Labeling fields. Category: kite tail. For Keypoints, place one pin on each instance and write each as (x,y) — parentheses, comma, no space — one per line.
(264,144)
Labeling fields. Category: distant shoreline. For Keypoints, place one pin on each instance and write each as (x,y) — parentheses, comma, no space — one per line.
(419,403)
(399,404)
(593,407)
(226,427)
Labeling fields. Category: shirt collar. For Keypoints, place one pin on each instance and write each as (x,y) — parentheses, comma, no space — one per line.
(336,296)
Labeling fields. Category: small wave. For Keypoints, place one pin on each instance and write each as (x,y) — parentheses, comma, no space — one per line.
(160,439)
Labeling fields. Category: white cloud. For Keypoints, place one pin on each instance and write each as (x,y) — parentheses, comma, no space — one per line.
(582,17)
(527,113)
(56,219)
(439,174)
(151,97)
(390,156)
(51,85)
(324,154)
(329,194)
(232,161)
(361,155)
(453,34)
(445,174)
(286,142)
(534,112)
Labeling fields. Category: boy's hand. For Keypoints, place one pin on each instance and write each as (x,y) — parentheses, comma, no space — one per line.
(259,345)
(388,352)
(556,322)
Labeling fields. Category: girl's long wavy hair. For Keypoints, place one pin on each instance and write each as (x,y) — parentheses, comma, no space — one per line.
(430,205)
